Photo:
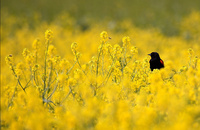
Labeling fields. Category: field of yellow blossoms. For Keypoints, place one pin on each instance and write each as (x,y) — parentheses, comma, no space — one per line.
(57,77)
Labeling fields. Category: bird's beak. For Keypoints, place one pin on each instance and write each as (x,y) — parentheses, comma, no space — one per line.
(149,54)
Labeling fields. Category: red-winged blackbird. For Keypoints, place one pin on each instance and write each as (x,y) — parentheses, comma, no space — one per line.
(155,62)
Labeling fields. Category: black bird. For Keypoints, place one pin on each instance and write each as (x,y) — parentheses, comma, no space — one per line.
(155,62)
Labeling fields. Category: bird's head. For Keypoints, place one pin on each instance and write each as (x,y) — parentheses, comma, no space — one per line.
(154,55)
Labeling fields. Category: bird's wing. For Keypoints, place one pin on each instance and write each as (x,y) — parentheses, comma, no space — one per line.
(161,61)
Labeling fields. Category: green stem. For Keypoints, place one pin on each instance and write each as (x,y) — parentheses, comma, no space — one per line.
(70,91)
(107,76)
(77,61)
(28,82)
(17,79)
(50,76)
(102,64)
(21,85)
(45,69)
(71,68)
(53,91)
(99,58)
(35,73)
(35,78)
(11,101)
(124,60)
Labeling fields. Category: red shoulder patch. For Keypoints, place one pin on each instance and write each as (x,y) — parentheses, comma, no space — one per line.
(161,62)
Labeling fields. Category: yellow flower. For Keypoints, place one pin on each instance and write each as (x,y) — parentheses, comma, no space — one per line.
(35,67)
(9,60)
(183,69)
(25,52)
(29,59)
(19,69)
(36,44)
(104,36)
(62,78)
(52,50)
(134,50)
(78,74)
(103,49)
(74,47)
(49,35)
(117,51)
(64,64)
(109,48)
(190,51)
(126,41)
(72,82)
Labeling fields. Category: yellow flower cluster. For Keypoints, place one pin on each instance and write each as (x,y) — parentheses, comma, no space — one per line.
(74,47)
(108,86)
(48,35)
(9,60)
(126,41)
(104,36)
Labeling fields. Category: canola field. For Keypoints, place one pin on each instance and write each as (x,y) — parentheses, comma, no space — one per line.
(59,76)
